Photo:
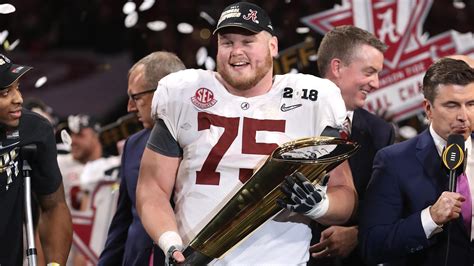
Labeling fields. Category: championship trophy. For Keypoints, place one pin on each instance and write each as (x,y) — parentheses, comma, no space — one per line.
(255,202)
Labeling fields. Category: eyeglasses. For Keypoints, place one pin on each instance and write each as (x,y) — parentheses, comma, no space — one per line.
(136,96)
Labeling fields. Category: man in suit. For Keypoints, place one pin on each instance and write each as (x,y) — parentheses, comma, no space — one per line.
(407,208)
(352,58)
(127,242)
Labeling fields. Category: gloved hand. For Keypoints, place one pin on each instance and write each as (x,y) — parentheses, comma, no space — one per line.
(304,197)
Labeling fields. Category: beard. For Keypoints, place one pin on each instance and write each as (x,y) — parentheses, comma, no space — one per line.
(245,82)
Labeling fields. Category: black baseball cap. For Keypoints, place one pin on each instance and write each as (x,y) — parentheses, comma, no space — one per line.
(245,15)
(10,72)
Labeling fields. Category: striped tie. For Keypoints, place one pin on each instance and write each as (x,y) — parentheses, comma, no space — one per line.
(345,132)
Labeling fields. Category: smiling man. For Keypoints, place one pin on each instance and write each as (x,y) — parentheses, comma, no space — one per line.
(213,128)
(20,127)
(352,58)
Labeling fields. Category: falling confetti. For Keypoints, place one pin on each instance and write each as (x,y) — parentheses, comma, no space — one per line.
(7,9)
(3,36)
(185,28)
(210,63)
(147,4)
(129,8)
(12,46)
(302,30)
(208,18)
(201,56)
(131,19)
(41,81)
(157,25)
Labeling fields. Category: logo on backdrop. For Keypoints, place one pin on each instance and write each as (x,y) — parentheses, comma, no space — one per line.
(411,51)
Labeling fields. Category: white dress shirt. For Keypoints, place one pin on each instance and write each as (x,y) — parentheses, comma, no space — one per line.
(429,226)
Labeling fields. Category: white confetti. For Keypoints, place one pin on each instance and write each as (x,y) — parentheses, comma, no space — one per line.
(302,30)
(210,63)
(459,4)
(185,28)
(407,132)
(201,56)
(12,46)
(313,57)
(7,9)
(3,36)
(147,4)
(131,19)
(41,81)
(208,18)
(129,8)
(157,25)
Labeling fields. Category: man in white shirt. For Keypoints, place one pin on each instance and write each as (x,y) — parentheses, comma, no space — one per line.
(408,205)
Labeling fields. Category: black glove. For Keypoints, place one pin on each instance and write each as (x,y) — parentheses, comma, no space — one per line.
(304,197)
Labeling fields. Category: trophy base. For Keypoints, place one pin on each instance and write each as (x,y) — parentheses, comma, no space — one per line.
(194,257)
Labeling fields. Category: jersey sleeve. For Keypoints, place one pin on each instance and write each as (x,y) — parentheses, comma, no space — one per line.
(167,101)
(331,107)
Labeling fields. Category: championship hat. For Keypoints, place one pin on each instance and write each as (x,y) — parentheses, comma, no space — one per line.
(245,15)
(10,72)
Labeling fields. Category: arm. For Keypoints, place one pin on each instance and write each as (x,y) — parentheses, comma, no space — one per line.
(55,226)
(331,203)
(154,189)
(342,196)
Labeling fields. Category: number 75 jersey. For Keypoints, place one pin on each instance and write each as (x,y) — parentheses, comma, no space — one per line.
(225,137)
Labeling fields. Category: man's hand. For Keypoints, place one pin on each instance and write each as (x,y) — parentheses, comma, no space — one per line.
(303,197)
(447,207)
(336,241)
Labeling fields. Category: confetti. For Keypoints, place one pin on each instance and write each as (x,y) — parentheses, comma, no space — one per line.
(129,8)
(201,56)
(147,4)
(157,25)
(41,81)
(131,19)
(185,28)
(7,9)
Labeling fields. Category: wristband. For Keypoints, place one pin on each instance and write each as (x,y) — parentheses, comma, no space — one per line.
(169,239)
(320,210)
(53,264)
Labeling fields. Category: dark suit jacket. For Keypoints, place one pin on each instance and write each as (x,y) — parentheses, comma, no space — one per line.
(407,178)
(372,133)
(127,241)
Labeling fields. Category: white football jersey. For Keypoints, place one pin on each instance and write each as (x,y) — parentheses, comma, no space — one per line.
(71,171)
(225,137)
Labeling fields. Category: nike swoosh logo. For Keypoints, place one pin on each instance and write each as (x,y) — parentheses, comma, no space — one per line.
(10,145)
(285,108)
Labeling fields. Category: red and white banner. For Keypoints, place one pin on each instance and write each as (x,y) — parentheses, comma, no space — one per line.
(410,51)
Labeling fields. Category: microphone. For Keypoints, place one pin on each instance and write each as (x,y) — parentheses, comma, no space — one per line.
(453,157)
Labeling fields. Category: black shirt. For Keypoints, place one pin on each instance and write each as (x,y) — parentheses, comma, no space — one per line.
(45,179)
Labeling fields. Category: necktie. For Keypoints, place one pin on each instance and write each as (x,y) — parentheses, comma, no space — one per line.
(462,187)
(345,132)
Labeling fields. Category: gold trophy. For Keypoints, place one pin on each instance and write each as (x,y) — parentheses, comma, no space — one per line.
(255,202)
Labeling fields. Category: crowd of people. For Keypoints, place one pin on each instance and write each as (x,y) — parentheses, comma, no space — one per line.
(206,132)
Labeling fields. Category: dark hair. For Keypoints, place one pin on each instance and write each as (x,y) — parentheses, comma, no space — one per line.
(158,65)
(342,42)
(446,71)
